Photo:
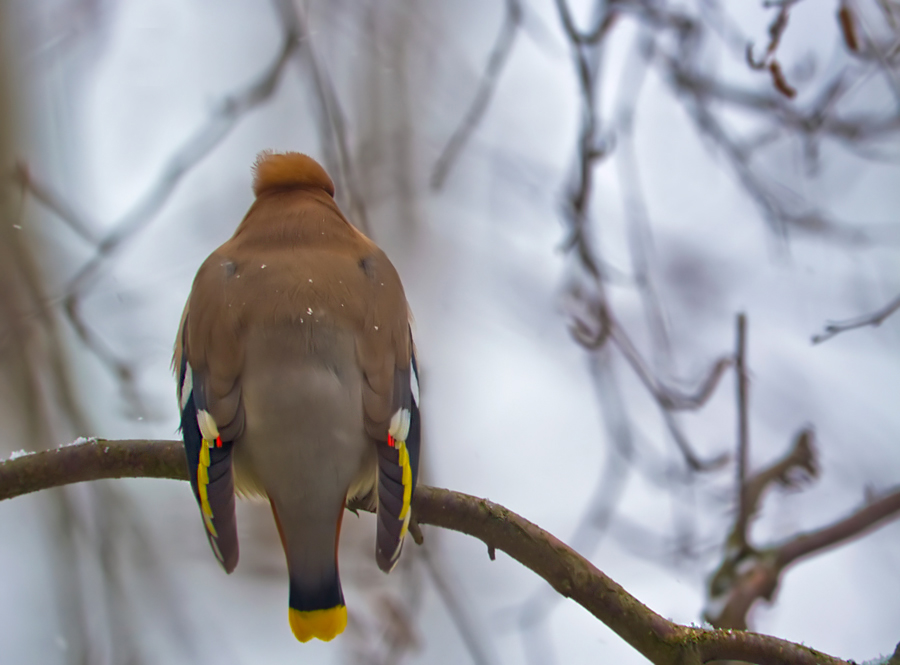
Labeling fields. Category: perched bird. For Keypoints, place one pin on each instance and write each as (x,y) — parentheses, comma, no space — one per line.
(297,381)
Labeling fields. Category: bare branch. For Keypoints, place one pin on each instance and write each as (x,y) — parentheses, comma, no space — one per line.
(460,616)
(745,573)
(795,468)
(332,123)
(748,574)
(93,460)
(226,115)
(875,319)
(851,128)
(661,641)
(776,31)
(597,33)
(668,397)
(499,55)
(868,518)
(121,369)
(760,574)
(743,432)
(43,193)
(221,121)
(694,462)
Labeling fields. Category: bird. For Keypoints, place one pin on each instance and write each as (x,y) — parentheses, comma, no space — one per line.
(297,381)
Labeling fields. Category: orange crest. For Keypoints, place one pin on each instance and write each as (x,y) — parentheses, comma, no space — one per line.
(288,169)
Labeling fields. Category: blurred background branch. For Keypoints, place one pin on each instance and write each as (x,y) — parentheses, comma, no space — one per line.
(876,318)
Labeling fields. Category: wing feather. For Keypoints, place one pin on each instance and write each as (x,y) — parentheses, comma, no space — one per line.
(210,465)
(398,466)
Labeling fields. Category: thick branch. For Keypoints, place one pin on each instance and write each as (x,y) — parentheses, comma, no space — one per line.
(660,640)
(94,460)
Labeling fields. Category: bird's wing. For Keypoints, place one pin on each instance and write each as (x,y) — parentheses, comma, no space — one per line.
(398,464)
(390,402)
(208,449)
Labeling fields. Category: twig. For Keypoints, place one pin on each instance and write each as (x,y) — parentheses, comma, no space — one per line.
(849,128)
(694,462)
(591,147)
(121,369)
(221,121)
(868,518)
(640,243)
(743,431)
(746,573)
(591,37)
(875,319)
(637,216)
(661,641)
(768,61)
(798,466)
(668,397)
(873,51)
(503,45)
(761,573)
(697,91)
(331,120)
(457,610)
(43,193)
(779,219)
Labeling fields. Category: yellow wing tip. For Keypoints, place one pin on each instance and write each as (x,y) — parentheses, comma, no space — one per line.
(324,625)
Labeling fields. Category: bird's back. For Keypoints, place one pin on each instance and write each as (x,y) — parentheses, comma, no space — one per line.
(297,381)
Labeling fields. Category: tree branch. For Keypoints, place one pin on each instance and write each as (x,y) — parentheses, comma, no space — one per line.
(499,55)
(869,517)
(748,574)
(660,640)
(331,120)
(743,433)
(797,466)
(874,319)
(669,397)
(758,575)
(95,459)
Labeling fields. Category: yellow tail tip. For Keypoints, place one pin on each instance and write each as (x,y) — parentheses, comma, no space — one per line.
(321,624)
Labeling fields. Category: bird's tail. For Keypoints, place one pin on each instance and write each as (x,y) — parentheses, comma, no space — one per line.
(316,602)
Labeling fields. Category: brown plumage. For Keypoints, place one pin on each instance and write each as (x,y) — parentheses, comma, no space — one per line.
(295,340)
